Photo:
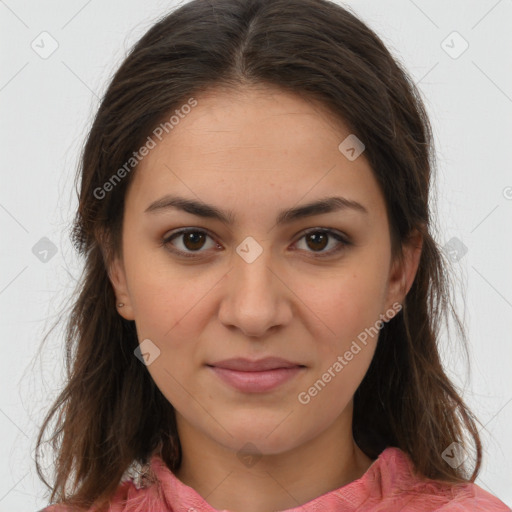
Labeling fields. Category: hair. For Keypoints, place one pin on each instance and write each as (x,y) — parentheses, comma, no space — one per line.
(110,412)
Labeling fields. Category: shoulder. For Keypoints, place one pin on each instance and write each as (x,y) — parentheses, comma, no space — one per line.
(134,493)
(462,497)
(125,491)
(140,489)
(469,497)
(434,495)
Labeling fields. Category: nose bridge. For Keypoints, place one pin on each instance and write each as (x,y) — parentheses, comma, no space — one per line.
(254,261)
(253,302)
(252,276)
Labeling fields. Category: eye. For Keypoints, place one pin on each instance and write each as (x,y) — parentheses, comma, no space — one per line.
(192,240)
(318,239)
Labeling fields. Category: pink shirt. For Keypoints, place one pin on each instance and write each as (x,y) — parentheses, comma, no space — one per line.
(389,485)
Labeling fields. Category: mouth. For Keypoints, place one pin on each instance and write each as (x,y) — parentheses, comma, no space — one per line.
(256,376)
(247,365)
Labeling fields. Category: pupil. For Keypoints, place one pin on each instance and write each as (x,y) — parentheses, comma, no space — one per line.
(191,237)
(316,236)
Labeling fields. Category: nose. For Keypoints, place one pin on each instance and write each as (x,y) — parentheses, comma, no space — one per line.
(256,296)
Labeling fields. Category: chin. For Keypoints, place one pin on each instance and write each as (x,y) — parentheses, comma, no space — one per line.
(262,437)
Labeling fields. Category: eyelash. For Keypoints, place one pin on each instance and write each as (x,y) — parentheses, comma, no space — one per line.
(344,242)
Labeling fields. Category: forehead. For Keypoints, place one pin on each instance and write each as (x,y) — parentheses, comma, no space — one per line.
(262,118)
(258,142)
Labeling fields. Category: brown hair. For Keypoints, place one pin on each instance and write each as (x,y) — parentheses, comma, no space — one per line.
(110,412)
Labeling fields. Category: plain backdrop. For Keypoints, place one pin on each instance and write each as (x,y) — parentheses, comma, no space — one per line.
(458,52)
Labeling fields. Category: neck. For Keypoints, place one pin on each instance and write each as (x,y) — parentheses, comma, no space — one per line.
(271,481)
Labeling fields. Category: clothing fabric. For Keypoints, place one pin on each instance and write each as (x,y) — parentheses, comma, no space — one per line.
(389,484)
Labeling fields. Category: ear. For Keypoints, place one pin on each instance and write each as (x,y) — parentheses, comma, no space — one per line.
(403,269)
(117,276)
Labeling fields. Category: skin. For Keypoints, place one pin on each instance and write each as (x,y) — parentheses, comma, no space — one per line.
(255,152)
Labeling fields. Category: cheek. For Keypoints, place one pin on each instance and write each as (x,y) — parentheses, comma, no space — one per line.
(169,309)
(172,307)
(162,293)
(344,303)
(345,343)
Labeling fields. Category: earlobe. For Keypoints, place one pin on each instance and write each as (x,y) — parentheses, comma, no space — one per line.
(117,276)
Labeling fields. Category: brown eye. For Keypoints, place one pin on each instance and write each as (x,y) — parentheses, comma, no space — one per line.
(193,240)
(318,239)
(187,241)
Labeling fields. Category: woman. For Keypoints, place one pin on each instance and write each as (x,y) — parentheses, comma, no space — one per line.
(257,324)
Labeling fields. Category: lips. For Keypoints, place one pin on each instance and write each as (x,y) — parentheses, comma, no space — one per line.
(259,376)
(246,365)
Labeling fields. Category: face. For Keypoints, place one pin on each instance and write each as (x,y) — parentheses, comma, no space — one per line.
(298,287)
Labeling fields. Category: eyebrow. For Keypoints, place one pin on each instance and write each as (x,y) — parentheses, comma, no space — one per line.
(201,209)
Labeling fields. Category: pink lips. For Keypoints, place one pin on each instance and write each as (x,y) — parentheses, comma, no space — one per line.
(255,376)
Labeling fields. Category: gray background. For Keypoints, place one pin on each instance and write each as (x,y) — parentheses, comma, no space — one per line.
(47,106)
